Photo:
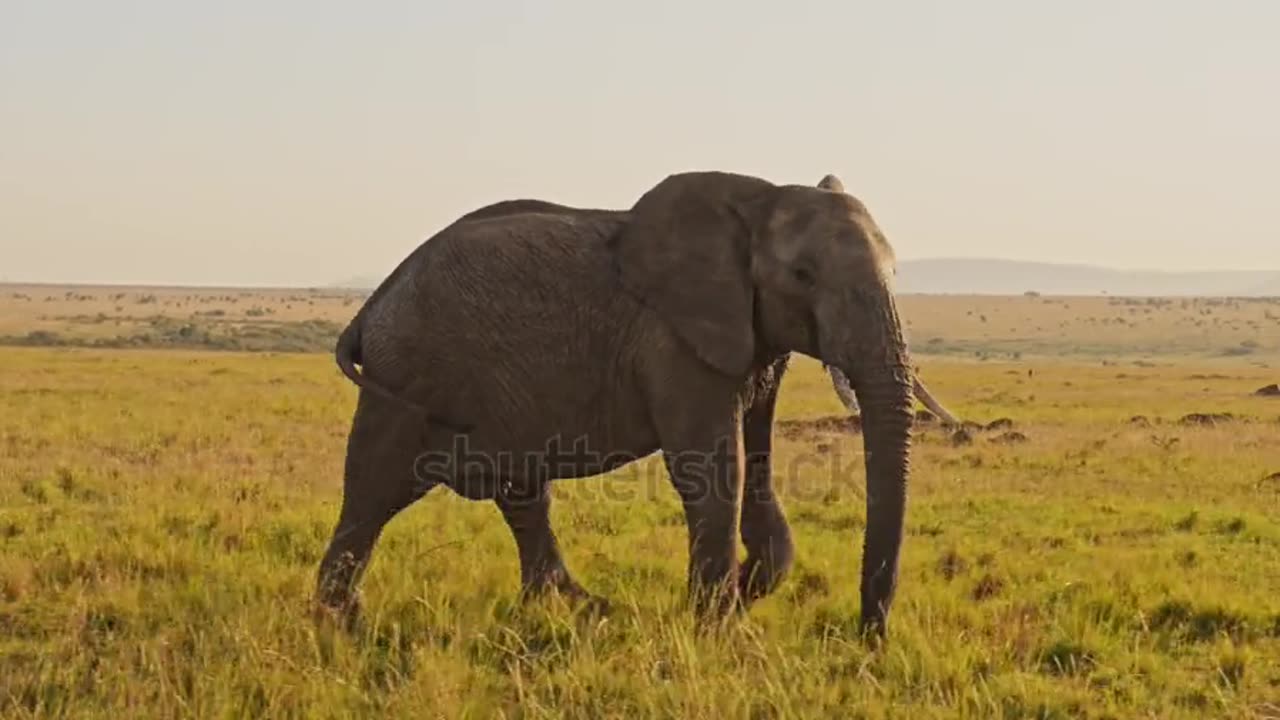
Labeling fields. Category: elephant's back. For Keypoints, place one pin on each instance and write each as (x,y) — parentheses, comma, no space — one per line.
(516,317)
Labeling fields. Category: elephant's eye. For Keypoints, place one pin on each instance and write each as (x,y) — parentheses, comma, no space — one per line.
(803,276)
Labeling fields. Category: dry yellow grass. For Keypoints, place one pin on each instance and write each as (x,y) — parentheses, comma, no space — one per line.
(1095,327)
(70,307)
(162,512)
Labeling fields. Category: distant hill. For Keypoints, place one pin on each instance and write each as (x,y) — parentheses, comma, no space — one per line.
(981,276)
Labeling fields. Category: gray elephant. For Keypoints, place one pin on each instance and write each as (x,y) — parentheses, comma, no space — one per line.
(530,341)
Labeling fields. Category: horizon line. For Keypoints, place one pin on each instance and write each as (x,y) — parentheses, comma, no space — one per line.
(345,284)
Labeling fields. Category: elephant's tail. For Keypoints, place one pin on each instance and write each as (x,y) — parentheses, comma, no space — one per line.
(348,351)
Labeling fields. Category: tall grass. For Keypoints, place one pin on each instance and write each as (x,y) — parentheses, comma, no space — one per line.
(162,514)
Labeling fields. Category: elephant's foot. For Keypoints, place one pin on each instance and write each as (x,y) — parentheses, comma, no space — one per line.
(558,583)
(759,578)
(751,588)
(342,613)
(337,599)
(716,603)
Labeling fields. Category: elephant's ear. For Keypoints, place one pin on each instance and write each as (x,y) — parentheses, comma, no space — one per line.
(831,182)
(686,253)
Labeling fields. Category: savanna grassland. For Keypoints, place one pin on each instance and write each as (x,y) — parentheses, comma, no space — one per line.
(293,320)
(307,319)
(1094,553)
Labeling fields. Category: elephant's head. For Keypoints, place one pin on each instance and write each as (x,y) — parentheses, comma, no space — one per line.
(841,383)
(743,270)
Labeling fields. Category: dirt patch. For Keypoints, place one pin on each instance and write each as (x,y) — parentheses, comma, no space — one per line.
(819,427)
(1013,437)
(1001,424)
(987,587)
(961,437)
(1140,421)
(1206,419)
(810,585)
(1272,390)
(951,564)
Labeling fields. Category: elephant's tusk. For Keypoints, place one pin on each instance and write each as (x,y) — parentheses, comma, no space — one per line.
(932,403)
(843,389)
(845,392)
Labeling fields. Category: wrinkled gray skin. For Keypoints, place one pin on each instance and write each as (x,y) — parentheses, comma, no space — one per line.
(529,342)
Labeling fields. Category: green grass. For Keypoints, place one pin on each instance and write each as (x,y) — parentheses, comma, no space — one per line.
(162,514)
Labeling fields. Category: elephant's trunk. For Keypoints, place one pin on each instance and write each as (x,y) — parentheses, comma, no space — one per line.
(882,381)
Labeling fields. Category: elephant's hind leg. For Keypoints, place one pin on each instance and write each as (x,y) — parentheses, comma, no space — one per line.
(380,481)
(527,510)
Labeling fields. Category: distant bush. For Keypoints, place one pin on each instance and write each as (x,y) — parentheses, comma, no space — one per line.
(1245,348)
(35,338)
(305,336)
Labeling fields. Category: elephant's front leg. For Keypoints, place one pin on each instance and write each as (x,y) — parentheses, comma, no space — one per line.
(706,469)
(765,532)
(527,509)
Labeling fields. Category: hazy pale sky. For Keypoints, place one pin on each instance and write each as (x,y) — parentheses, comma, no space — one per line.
(293,142)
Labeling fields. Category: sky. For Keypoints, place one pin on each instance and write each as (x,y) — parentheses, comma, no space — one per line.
(309,142)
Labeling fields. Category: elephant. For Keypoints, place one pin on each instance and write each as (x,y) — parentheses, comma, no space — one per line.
(528,342)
